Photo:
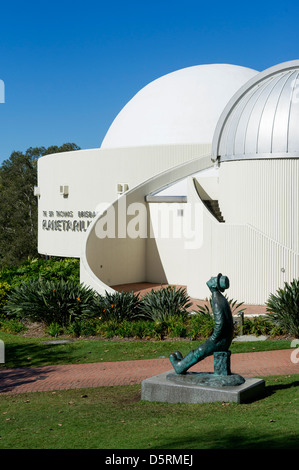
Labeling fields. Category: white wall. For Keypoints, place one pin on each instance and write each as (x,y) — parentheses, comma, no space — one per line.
(92,177)
(110,261)
(255,262)
(175,231)
(257,259)
(264,194)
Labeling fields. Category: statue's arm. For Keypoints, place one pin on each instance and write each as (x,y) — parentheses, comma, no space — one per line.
(218,305)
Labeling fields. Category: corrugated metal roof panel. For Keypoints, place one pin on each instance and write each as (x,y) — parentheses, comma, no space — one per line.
(262,119)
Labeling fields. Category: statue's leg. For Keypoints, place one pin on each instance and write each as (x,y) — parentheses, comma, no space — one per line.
(182,364)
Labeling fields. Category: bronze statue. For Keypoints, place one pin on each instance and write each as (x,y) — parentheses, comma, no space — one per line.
(221,338)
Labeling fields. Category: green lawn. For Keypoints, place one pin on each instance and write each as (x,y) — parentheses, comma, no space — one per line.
(23,351)
(115,418)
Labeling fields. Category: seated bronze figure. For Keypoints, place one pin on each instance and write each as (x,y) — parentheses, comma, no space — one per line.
(222,335)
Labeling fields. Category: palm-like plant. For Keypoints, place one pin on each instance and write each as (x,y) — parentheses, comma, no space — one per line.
(165,303)
(234,306)
(60,302)
(283,307)
(119,306)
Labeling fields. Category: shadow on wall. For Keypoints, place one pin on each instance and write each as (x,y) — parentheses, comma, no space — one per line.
(154,267)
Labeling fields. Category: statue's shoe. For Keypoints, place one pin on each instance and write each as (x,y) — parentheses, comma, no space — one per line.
(176,362)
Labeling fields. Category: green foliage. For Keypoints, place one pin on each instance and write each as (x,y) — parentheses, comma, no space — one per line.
(141,329)
(119,306)
(138,328)
(41,269)
(109,328)
(4,290)
(177,327)
(54,329)
(12,325)
(84,327)
(161,305)
(201,324)
(49,291)
(283,307)
(60,302)
(259,326)
(18,205)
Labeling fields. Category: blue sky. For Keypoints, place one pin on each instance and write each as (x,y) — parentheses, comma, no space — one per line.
(70,66)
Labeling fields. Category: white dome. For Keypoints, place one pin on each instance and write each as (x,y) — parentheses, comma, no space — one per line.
(182,107)
(262,119)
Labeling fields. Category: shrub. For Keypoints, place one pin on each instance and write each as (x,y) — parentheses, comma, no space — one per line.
(163,304)
(201,324)
(60,302)
(84,327)
(4,290)
(108,329)
(255,326)
(177,327)
(119,306)
(12,325)
(283,307)
(42,269)
(142,329)
(54,329)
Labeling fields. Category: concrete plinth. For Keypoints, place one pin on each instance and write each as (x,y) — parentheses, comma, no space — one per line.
(159,388)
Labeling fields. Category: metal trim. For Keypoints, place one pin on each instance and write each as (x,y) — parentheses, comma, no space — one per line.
(260,156)
(170,199)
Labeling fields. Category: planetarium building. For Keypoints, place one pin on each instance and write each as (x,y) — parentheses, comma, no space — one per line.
(198,174)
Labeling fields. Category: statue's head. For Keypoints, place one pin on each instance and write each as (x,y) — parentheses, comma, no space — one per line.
(218,283)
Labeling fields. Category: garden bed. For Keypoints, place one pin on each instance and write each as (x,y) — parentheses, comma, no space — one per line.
(44,298)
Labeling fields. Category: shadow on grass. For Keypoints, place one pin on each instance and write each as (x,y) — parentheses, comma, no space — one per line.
(35,354)
(271,389)
(239,438)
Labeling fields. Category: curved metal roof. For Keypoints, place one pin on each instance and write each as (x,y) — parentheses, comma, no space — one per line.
(262,118)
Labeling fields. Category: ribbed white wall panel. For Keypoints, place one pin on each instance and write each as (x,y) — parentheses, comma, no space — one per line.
(255,263)
(264,194)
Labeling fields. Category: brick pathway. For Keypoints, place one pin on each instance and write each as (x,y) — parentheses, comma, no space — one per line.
(34,379)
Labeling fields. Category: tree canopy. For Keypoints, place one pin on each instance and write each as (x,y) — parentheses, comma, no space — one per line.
(18,205)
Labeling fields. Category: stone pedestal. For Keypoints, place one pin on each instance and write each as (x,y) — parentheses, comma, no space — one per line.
(163,389)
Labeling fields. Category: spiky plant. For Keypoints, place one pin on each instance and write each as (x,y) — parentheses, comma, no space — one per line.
(60,302)
(283,307)
(119,306)
(234,306)
(165,303)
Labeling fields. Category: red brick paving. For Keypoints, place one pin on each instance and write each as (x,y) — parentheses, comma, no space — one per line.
(74,376)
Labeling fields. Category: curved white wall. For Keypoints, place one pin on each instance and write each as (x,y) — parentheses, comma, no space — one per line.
(110,261)
(91,177)
(255,263)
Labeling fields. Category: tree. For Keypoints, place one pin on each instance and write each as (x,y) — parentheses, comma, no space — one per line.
(18,205)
